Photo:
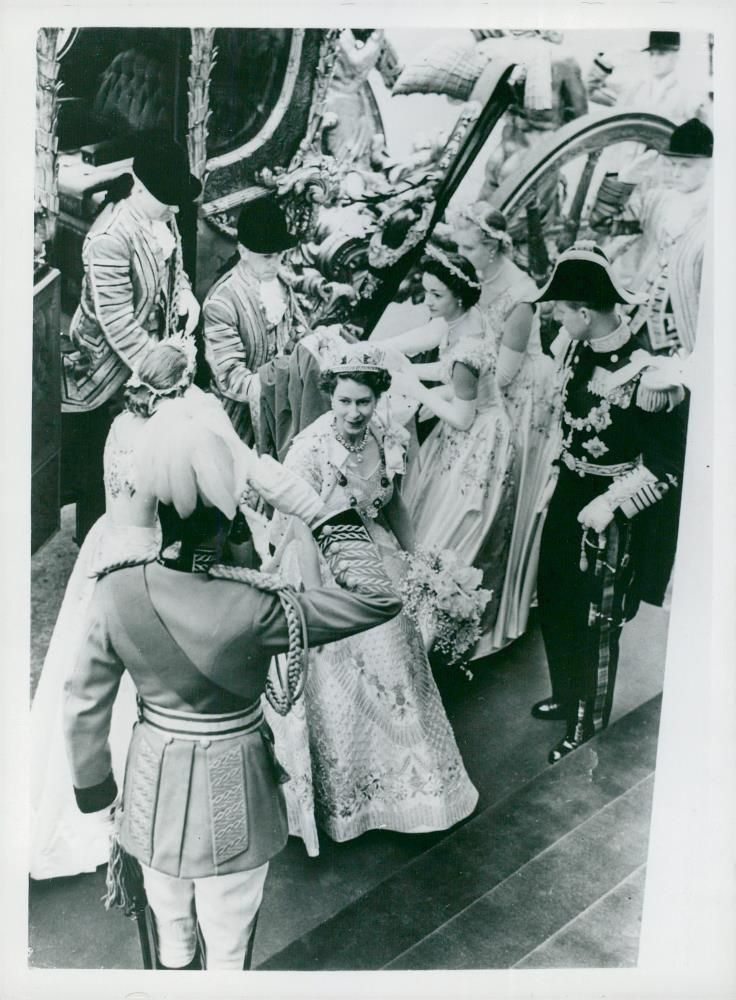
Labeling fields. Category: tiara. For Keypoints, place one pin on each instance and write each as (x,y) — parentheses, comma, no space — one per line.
(182,342)
(492,231)
(439,255)
(369,361)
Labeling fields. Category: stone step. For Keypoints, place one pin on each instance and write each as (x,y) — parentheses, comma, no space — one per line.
(397,915)
(587,941)
(548,893)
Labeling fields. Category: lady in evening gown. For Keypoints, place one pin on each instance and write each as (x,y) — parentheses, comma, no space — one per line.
(369,745)
(526,377)
(460,489)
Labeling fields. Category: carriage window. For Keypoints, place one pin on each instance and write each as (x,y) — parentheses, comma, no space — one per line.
(246,82)
(117,82)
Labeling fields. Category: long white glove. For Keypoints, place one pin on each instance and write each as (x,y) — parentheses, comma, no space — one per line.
(284,489)
(508,364)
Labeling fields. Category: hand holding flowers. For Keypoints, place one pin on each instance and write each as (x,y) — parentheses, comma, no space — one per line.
(444,596)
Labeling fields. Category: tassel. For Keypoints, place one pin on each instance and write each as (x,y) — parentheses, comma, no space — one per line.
(583,555)
(124,881)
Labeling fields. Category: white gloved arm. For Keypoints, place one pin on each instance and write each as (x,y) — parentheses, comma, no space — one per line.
(459,412)
(508,364)
(285,490)
(189,307)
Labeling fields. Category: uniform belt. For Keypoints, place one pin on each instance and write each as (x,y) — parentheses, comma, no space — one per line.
(584,468)
(187,725)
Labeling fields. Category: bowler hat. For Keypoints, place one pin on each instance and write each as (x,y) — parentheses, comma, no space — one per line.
(583,274)
(692,138)
(162,166)
(262,227)
(663,41)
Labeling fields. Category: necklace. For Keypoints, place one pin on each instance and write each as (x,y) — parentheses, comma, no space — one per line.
(354,449)
(369,505)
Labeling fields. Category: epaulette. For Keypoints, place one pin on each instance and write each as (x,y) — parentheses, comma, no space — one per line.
(661,386)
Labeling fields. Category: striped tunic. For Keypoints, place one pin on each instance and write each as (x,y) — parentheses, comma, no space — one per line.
(130,297)
(239,339)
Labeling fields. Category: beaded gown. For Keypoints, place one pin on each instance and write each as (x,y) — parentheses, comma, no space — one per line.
(369,745)
(461,487)
(65,841)
(532,403)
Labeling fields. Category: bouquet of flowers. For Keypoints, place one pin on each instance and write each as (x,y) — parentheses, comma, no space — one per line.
(444,597)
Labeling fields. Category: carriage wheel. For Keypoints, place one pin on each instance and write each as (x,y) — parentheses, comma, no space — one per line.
(574,154)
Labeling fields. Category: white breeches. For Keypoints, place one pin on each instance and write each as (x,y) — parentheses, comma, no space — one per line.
(224,905)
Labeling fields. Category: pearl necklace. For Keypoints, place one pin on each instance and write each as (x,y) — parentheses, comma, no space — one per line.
(354,449)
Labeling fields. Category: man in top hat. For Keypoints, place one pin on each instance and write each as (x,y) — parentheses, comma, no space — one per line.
(664,263)
(251,314)
(134,292)
(202,810)
(608,539)
(663,88)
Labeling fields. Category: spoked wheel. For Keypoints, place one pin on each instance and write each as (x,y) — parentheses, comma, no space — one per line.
(548,203)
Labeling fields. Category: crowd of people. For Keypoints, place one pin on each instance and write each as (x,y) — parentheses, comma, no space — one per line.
(243,615)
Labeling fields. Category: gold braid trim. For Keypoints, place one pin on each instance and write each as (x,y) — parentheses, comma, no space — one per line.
(283,697)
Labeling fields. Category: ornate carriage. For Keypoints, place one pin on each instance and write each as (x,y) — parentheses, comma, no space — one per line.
(252,107)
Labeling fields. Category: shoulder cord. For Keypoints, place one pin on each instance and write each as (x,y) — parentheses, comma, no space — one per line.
(122,564)
(283,697)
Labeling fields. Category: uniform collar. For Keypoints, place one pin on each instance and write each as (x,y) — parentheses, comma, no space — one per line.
(613,341)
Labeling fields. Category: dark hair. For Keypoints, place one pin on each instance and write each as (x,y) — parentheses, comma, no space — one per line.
(118,188)
(467,294)
(378,382)
(162,369)
(602,305)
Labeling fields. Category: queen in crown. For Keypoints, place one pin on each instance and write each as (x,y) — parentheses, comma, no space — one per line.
(369,746)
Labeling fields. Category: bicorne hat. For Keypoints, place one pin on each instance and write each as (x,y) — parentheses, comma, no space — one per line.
(162,166)
(583,274)
(663,41)
(262,227)
(692,138)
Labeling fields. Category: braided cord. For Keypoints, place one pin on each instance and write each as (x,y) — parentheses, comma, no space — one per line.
(122,564)
(282,696)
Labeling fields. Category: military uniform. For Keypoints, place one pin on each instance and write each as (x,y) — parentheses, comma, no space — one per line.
(621,439)
(201,798)
(609,537)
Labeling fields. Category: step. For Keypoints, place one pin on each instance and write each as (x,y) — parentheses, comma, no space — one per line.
(587,942)
(396,915)
(521,913)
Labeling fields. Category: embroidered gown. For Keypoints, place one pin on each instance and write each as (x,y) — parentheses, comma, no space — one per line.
(65,841)
(532,403)
(369,745)
(461,488)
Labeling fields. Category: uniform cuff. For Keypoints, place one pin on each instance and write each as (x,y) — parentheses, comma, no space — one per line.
(348,517)
(97,797)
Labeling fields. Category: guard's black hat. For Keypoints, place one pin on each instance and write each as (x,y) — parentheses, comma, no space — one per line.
(583,274)
(262,227)
(663,41)
(692,138)
(162,166)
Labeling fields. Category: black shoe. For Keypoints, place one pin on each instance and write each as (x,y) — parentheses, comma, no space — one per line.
(549,709)
(563,748)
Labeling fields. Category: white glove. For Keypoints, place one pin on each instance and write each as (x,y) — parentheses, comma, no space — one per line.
(408,384)
(188,305)
(508,364)
(285,490)
(597,515)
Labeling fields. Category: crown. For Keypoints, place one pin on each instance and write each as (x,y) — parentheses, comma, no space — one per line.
(369,361)
(439,255)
